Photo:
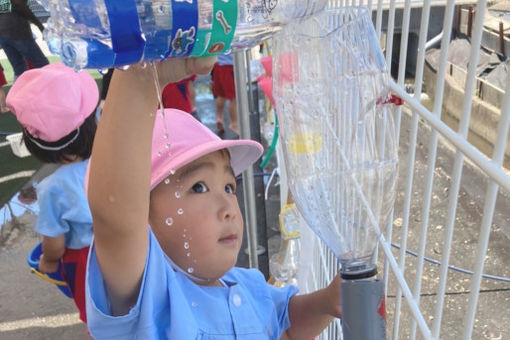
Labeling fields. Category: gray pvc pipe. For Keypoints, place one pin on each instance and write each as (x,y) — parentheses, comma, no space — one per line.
(363,310)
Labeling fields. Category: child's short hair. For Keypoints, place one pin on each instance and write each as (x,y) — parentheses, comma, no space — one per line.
(55,105)
(77,143)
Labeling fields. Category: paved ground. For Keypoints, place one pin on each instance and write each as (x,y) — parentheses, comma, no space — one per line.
(31,308)
(492,319)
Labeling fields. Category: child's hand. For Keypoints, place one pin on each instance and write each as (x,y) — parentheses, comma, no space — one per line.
(174,69)
(46,266)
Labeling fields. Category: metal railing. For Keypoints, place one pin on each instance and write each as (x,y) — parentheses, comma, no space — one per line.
(451,211)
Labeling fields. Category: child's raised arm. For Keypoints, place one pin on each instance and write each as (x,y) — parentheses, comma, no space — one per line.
(119,179)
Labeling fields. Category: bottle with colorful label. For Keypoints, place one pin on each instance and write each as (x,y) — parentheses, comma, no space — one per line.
(116,33)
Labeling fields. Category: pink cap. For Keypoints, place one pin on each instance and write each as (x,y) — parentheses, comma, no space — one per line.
(52,101)
(267,63)
(188,139)
(265,83)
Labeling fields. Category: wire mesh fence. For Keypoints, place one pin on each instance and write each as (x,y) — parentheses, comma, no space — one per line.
(444,253)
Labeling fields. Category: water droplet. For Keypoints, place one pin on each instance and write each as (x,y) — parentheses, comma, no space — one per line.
(159,153)
(169,221)
(180,211)
(188,254)
(183,235)
(167,145)
(191,270)
(167,180)
(165,136)
(103,70)
(186,245)
(124,68)
(172,171)
(177,194)
(194,304)
(143,65)
(161,9)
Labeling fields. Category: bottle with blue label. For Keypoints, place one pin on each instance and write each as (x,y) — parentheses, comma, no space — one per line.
(116,33)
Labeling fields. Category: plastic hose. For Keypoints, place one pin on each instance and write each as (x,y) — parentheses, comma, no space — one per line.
(272,147)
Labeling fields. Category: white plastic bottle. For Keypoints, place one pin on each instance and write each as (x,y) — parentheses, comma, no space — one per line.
(115,33)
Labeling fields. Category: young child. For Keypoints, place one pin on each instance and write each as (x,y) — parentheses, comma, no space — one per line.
(223,89)
(176,278)
(55,106)
(180,95)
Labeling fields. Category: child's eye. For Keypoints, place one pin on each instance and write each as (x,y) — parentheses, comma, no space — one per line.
(199,187)
(230,189)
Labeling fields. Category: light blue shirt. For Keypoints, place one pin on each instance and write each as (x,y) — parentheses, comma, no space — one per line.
(63,206)
(171,306)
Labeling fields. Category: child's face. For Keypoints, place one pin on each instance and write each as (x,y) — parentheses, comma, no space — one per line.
(196,218)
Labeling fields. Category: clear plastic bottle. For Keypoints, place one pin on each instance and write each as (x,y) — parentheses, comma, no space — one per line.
(283,266)
(115,33)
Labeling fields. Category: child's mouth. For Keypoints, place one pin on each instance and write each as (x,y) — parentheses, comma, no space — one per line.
(228,239)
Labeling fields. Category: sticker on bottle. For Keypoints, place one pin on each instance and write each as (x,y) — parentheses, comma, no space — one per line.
(184,28)
(305,143)
(217,37)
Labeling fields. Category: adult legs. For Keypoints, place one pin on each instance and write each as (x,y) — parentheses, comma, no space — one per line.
(14,56)
(31,51)
(19,50)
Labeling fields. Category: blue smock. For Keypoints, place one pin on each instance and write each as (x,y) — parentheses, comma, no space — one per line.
(171,306)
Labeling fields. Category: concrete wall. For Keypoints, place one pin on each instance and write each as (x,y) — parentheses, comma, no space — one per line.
(484,116)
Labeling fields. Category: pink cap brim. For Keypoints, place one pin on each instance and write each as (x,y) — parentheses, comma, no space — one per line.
(243,153)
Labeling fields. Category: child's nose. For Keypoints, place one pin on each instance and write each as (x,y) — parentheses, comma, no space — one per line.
(227,207)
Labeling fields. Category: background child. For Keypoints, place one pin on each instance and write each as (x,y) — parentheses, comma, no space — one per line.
(223,89)
(54,104)
(180,95)
(176,279)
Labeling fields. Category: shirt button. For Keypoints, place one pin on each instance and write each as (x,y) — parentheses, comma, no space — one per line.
(236,299)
